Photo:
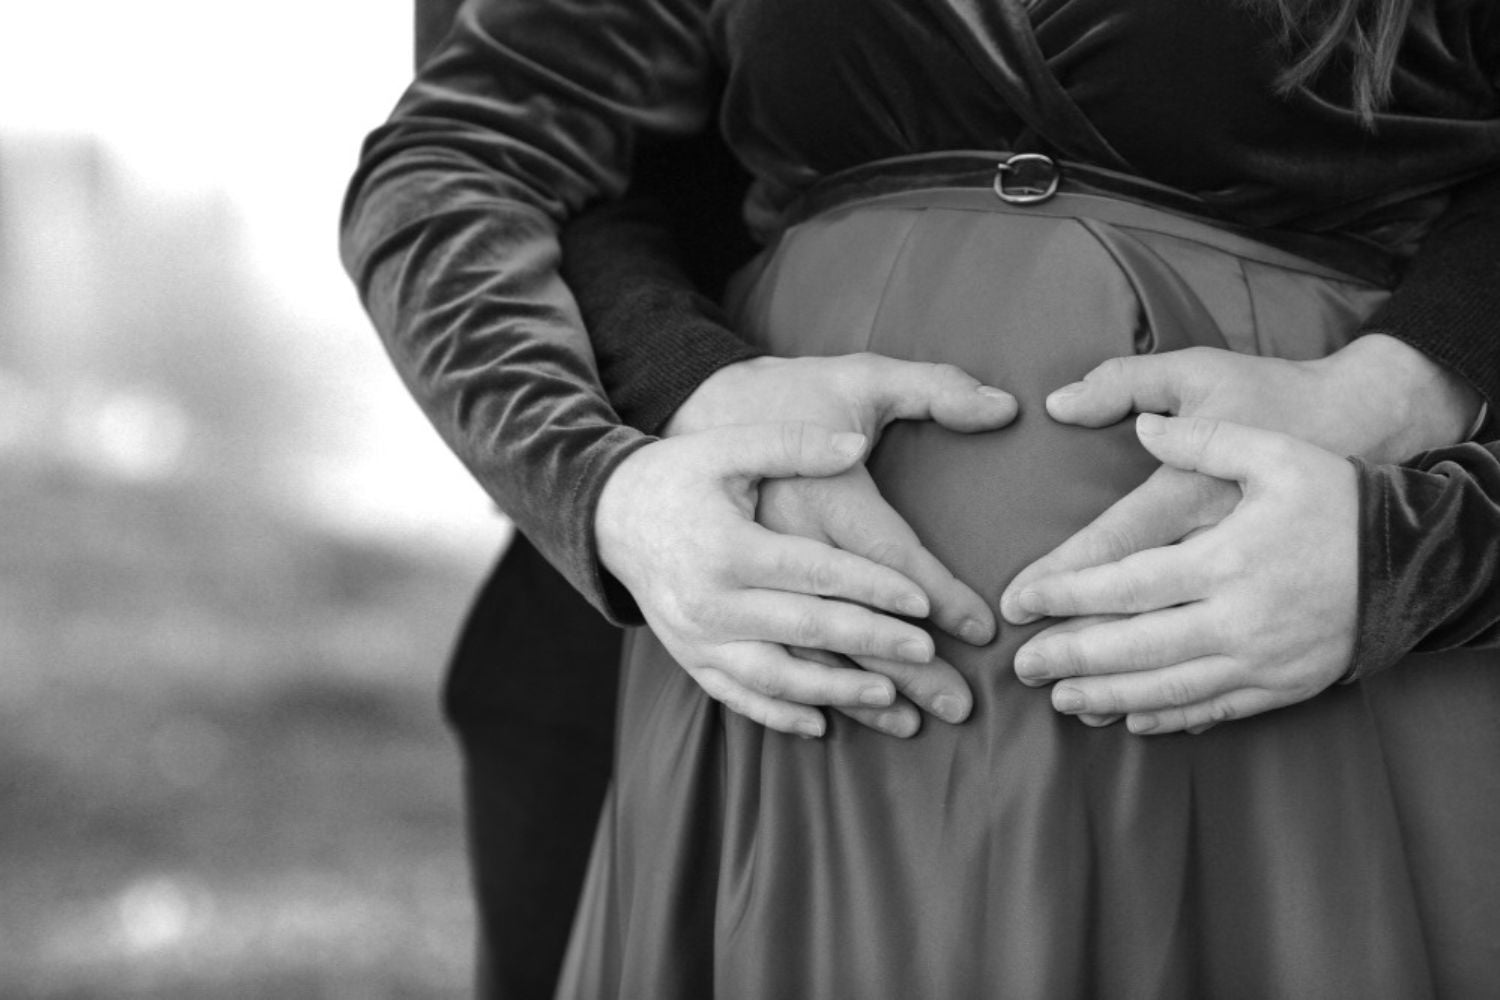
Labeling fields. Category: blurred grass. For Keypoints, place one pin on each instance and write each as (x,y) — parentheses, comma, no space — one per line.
(222,767)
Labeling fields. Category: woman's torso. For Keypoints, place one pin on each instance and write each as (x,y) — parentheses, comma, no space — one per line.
(1181,92)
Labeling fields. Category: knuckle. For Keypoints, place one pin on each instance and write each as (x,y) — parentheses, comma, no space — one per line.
(1110,370)
(822,577)
(1144,650)
(767,682)
(1131,592)
(1201,434)
(1176,692)
(1111,541)
(1065,656)
(809,630)
(943,372)
(884,550)
(864,365)
(1221,710)
(1105,701)
(793,439)
(693,610)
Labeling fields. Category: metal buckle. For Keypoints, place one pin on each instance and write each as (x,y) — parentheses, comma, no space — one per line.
(1036,179)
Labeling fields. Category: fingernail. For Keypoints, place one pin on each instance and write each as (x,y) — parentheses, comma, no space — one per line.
(1150,424)
(810,730)
(849,444)
(1071,389)
(974,632)
(1141,723)
(1030,602)
(1031,667)
(876,696)
(913,606)
(993,393)
(1066,699)
(1013,613)
(900,724)
(915,651)
(950,708)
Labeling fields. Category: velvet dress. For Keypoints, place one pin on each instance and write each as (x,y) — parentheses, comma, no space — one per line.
(1349,846)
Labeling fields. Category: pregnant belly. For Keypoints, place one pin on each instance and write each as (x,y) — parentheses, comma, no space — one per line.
(1027,300)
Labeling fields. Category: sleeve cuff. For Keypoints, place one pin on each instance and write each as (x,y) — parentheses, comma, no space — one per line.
(1429,556)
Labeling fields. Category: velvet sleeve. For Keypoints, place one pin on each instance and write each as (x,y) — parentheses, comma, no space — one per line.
(1429,555)
(531,110)
(1430,529)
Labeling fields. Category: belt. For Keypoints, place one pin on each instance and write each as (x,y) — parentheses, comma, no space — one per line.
(1024,180)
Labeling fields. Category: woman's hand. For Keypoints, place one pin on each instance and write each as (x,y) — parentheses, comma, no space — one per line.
(847,512)
(838,520)
(1378,398)
(1254,613)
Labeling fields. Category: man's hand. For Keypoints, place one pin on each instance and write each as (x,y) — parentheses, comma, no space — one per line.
(832,520)
(675,524)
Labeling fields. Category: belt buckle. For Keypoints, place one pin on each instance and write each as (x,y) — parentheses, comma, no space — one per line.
(1034,179)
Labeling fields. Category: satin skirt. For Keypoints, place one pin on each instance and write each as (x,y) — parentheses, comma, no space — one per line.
(1345,847)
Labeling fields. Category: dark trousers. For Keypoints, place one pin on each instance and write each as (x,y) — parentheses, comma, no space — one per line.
(531,695)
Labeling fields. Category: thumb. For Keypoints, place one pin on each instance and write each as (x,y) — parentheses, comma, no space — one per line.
(1216,448)
(778,450)
(915,390)
(1154,383)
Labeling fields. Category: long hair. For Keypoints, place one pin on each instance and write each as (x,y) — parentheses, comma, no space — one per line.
(1367,33)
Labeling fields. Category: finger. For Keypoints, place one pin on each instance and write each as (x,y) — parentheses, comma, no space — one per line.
(1077,624)
(1167,507)
(935,687)
(758,451)
(901,720)
(1217,447)
(1203,716)
(914,390)
(799,620)
(767,669)
(1119,386)
(1145,581)
(786,562)
(784,717)
(867,525)
(1176,686)
(1140,642)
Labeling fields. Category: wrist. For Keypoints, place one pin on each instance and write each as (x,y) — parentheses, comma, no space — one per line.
(1413,402)
(614,518)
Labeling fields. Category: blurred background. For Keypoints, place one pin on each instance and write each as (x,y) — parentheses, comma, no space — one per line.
(232,554)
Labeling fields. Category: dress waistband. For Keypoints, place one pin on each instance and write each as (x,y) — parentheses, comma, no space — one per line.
(1033,184)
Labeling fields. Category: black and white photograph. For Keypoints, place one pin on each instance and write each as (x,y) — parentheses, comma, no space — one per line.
(750,500)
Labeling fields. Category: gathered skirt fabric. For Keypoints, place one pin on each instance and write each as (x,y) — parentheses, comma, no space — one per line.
(1345,847)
